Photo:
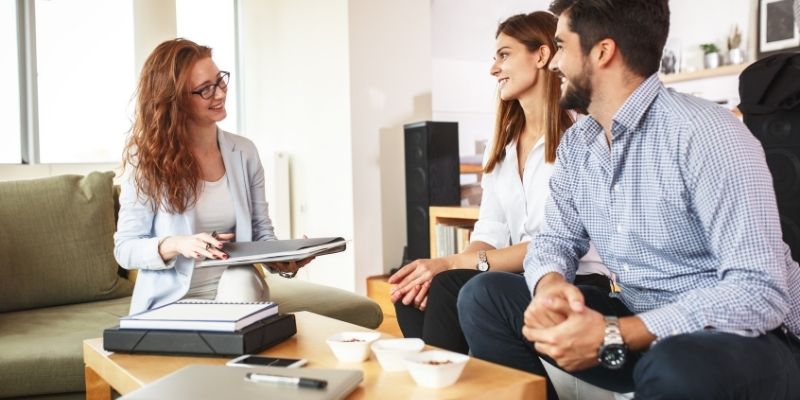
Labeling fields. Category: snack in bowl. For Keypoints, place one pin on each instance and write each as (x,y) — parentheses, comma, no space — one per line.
(352,346)
(391,352)
(436,368)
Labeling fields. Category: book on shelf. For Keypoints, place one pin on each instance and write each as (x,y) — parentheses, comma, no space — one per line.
(200,315)
(451,239)
(243,253)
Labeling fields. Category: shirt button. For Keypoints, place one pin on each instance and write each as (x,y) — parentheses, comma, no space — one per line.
(626,267)
(616,187)
(619,228)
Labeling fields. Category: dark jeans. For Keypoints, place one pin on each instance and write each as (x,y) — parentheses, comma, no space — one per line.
(438,324)
(700,365)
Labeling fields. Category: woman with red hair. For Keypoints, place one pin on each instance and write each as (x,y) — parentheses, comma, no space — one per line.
(186,179)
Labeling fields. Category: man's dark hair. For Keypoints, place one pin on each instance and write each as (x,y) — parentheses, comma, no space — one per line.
(638,27)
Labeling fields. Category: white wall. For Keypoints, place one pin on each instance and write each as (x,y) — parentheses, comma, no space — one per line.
(331,83)
(296,100)
(390,85)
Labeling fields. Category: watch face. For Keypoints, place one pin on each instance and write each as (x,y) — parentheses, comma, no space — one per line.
(483,266)
(613,356)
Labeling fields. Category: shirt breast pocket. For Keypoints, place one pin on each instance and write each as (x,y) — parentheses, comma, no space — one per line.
(668,222)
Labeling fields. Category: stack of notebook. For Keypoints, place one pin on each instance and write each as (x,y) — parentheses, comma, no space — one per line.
(202,328)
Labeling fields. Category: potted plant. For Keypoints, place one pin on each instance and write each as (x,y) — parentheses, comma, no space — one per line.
(735,53)
(711,55)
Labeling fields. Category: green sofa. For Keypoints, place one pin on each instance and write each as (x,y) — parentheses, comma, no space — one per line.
(60,284)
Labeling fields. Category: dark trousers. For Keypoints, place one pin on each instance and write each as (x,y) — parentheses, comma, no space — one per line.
(438,325)
(700,365)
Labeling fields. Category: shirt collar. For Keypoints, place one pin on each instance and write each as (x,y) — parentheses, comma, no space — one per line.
(633,110)
(630,114)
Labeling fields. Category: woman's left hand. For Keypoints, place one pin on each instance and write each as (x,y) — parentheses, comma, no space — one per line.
(290,267)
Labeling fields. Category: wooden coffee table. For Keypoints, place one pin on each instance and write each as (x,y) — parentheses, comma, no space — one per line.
(128,372)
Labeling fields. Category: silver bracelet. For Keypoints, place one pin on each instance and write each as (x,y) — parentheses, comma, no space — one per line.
(287,275)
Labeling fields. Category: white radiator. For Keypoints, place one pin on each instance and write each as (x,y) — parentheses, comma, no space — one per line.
(278,189)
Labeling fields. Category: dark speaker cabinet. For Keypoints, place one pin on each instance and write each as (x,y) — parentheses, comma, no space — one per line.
(432,178)
(779,134)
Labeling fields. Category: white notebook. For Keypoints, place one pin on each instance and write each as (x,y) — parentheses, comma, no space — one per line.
(200,315)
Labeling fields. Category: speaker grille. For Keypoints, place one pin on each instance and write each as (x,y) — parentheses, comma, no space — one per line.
(779,134)
(432,178)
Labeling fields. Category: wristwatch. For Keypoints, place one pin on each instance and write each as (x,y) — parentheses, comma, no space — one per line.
(483,262)
(613,352)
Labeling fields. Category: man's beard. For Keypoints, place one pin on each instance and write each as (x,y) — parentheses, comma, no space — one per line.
(578,95)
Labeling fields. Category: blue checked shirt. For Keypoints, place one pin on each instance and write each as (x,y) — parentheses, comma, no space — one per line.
(682,211)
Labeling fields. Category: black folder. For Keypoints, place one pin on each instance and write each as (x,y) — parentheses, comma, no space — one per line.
(253,339)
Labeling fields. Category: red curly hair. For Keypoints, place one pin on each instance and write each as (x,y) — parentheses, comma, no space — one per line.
(166,173)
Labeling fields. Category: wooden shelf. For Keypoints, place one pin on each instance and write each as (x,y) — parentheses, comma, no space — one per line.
(704,73)
(378,290)
(470,168)
(449,215)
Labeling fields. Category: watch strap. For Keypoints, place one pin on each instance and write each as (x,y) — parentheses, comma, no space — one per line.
(613,335)
(483,262)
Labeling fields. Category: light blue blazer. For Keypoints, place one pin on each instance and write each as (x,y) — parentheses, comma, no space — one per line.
(139,228)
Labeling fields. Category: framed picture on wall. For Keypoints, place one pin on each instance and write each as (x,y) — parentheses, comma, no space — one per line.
(777,28)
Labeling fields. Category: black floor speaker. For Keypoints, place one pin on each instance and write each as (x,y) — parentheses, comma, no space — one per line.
(432,179)
(779,133)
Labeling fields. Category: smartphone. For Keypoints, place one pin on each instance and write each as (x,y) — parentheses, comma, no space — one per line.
(249,361)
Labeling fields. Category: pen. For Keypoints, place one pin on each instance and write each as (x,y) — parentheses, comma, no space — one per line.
(213,235)
(208,245)
(286,380)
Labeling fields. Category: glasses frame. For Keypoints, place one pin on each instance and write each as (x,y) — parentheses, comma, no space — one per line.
(222,83)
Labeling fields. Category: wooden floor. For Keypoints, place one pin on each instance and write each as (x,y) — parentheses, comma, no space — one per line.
(378,290)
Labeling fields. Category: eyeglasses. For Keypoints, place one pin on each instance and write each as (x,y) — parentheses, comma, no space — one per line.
(209,91)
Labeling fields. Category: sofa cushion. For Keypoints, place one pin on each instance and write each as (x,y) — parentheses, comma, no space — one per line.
(42,350)
(295,295)
(56,242)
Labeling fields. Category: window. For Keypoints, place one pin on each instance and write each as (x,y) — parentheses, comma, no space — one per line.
(10,151)
(212,23)
(85,73)
(86,78)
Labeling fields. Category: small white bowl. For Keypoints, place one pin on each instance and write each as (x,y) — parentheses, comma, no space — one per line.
(445,373)
(391,352)
(352,346)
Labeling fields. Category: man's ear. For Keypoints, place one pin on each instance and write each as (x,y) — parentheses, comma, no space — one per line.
(604,51)
(544,57)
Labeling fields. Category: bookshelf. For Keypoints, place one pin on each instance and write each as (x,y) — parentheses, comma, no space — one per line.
(704,73)
(449,215)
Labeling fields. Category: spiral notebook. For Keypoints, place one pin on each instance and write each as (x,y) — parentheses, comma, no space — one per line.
(200,315)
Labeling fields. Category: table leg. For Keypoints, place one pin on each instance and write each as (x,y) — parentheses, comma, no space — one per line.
(96,387)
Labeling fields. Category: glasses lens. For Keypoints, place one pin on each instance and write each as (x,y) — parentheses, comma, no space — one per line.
(224,77)
(207,92)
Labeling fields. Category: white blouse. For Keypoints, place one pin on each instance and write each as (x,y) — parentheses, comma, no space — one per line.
(214,212)
(512,210)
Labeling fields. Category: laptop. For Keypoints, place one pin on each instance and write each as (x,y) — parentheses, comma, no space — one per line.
(221,382)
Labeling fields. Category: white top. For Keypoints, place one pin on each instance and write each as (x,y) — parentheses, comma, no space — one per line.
(512,210)
(214,212)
